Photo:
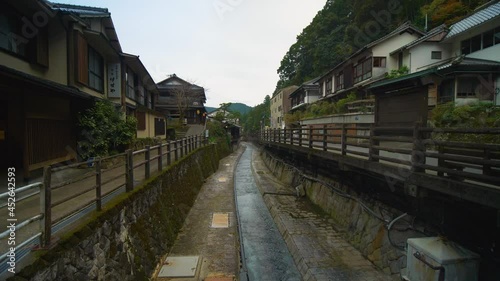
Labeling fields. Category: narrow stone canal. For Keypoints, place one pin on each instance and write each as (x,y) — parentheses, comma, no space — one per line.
(265,255)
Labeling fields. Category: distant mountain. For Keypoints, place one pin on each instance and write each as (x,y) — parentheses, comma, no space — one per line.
(235,107)
(210,109)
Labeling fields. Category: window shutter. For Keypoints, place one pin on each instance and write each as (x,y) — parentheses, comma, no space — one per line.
(82,59)
(42,56)
(141,121)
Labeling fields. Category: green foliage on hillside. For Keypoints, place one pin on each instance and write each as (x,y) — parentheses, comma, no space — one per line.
(234,107)
(344,26)
(257,117)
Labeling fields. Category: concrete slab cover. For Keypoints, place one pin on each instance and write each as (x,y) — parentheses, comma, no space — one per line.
(180,267)
(220,220)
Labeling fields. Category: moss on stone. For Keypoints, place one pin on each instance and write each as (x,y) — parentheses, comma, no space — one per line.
(180,184)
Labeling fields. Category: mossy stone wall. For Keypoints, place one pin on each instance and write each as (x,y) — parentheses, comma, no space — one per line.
(365,232)
(126,240)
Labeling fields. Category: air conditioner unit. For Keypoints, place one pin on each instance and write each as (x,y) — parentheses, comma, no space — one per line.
(437,259)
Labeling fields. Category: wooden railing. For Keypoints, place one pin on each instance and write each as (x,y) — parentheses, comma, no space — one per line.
(66,192)
(416,149)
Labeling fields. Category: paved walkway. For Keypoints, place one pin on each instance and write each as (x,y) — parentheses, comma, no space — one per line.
(319,251)
(218,248)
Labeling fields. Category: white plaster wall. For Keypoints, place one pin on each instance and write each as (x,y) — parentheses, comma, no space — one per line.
(421,55)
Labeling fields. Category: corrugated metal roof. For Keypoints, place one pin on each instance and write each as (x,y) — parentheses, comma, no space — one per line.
(490,12)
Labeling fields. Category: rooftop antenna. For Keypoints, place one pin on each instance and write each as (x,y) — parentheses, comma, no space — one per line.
(425,29)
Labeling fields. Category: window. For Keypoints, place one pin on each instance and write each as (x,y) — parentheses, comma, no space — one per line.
(10,26)
(481,41)
(488,39)
(159,126)
(436,55)
(470,86)
(339,81)
(465,46)
(363,70)
(379,61)
(96,70)
(131,79)
(34,49)
(400,60)
(475,43)
(446,91)
(328,86)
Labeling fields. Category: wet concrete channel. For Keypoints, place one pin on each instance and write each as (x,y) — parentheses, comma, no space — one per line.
(264,254)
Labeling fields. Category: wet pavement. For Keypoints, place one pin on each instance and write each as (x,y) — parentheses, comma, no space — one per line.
(265,253)
(210,229)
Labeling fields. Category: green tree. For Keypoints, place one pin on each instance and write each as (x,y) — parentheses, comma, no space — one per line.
(257,117)
(103,130)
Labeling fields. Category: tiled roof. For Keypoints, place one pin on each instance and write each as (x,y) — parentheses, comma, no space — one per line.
(466,61)
(490,12)
(80,10)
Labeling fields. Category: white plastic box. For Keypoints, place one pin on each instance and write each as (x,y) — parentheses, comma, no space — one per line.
(437,259)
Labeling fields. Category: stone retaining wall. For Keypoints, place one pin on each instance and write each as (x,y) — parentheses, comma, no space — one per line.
(363,230)
(126,240)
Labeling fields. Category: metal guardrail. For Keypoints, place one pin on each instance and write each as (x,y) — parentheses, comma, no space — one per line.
(172,150)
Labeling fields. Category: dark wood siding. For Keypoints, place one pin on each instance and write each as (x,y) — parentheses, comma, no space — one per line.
(82,59)
(402,110)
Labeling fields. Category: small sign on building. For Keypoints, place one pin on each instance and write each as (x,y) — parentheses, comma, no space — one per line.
(114,80)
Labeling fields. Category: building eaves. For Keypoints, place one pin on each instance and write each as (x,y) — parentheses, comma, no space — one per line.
(137,65)
(486,13)
(82,11)
(433,32)
(440,69)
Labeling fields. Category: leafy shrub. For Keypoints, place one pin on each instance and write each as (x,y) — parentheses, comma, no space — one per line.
(472,116)
(103,130)
(399,72)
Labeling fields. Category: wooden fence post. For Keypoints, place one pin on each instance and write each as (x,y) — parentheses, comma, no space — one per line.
(98,185)
(160,159)
(45,207)
(129,166)
(417,153)
(176,148)
(325,137)
(310,136)
(300,136)
(169,153)
(284,136)
(291,137)
(371,149)
(279,135)
(147,158)
(487,168)
(343,140)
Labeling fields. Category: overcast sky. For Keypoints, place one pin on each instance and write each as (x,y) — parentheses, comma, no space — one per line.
(231,47)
